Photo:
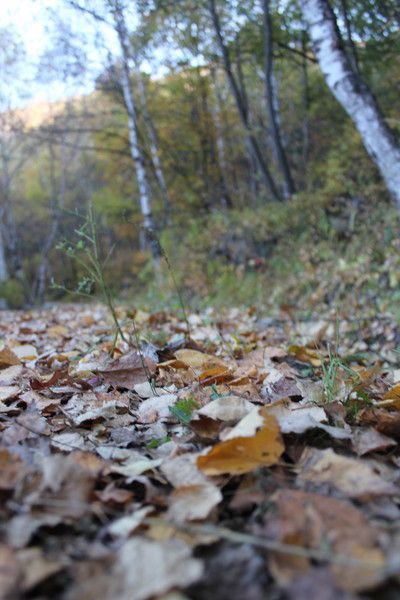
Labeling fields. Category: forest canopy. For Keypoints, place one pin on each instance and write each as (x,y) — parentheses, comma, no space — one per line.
(210,132)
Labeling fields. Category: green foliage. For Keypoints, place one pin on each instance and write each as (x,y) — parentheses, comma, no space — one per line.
(183,409)
(12,291)
(86,252)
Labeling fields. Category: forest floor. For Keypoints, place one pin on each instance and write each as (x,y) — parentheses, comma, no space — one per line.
(234,456)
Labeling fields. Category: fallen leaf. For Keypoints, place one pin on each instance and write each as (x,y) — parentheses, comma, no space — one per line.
(145,568)
(369,440)
(313,521)
(254,442)
(296,418)
(227,408)
(123,527)
(193,359)
(355,478)
(156,408)
(306,355)
(194,495)
(127,370)
(25,352)
(9,571)
(8,358)
(8,391)
(35,567)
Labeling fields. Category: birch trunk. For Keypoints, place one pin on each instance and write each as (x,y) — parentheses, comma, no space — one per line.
(273,113)
(136,152)
(241,104)
(353,93)
(153,141)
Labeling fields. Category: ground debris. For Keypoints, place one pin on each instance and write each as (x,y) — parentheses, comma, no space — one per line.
(253,459)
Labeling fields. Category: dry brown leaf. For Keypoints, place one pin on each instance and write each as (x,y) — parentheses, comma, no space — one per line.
(194,495)
(8,358)
(254,442)
(296,418)
(392,398)
(127,370)
(227,408)
(306,355)
(9,571)
(144,569)
(193,359)
(355,478)
(12,469)
(8,391)
(384,421)
(311,521)
(369,440)
(35,567)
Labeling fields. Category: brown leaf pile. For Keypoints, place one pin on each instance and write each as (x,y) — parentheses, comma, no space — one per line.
(247,460)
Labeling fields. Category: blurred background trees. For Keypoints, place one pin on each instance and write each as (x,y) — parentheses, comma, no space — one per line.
(212,124)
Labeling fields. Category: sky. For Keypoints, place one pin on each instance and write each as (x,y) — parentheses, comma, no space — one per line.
(31,21)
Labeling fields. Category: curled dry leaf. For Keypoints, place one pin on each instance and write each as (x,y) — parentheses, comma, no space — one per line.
(193,359)
(294,417)
(123,527)
(253,443)
(369,440)
(194,495)
(8,358)
(127,370)
(156,408)
(306,355)
(227,408)
(145,568)
(355,478)
(311,520)
(8,391)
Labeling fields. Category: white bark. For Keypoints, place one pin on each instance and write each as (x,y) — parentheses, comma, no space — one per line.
(352,93)
(136,152)
(153,142)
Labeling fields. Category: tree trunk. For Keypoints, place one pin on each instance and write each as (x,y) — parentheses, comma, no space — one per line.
(153,141)
(216,110)
(136,152)
(305,102)
(3,262)
(353,93)
(283,164)
(57,196)
(240,104)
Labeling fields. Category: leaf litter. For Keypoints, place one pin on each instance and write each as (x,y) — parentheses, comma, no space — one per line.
(255,458)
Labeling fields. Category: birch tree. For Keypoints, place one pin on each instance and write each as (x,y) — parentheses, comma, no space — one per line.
(283,163)
(353,93)
(131,109)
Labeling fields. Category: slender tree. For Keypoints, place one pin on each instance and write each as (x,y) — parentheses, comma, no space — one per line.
(117,11)
(241,104)
(283,163)
(353,93)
